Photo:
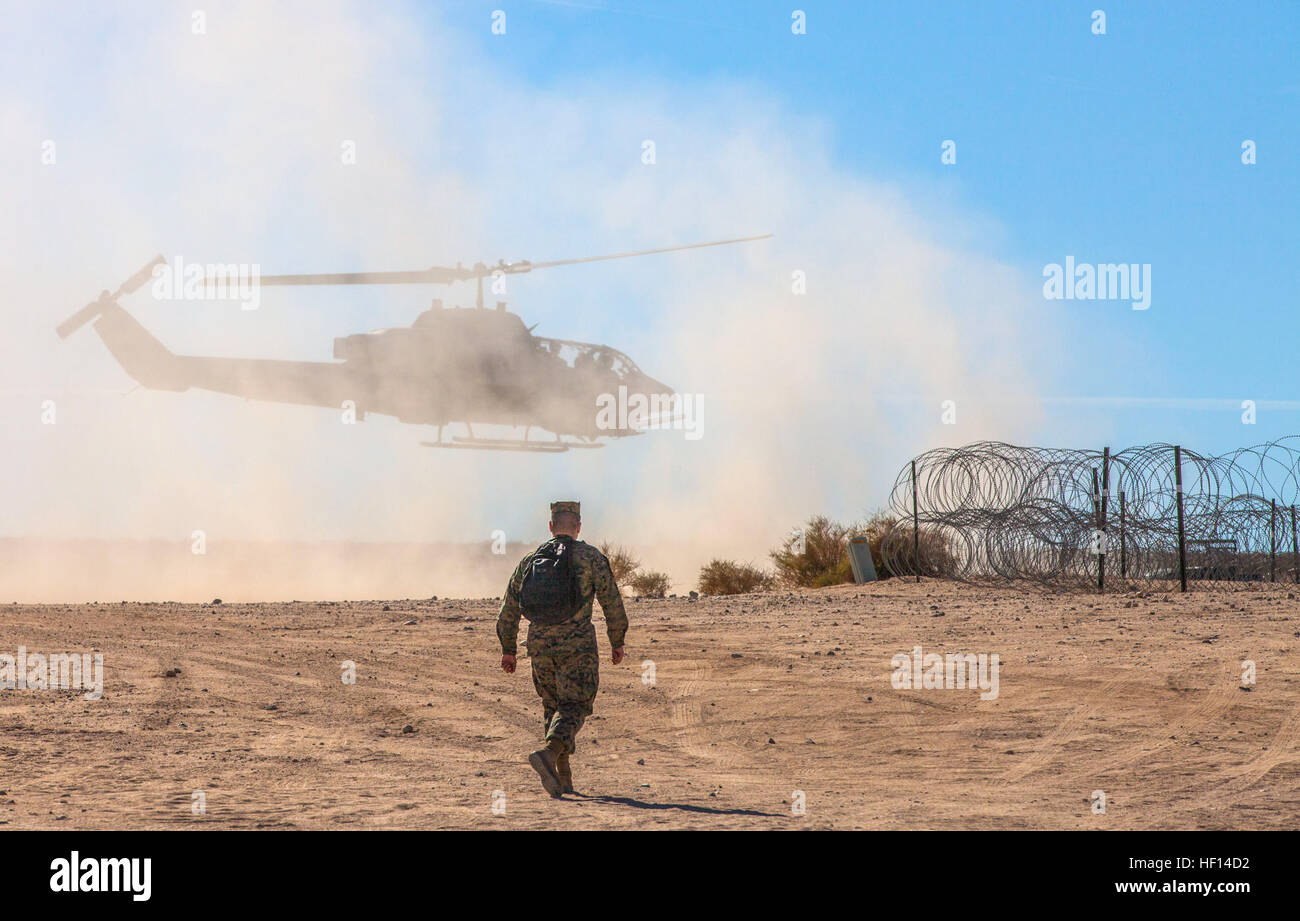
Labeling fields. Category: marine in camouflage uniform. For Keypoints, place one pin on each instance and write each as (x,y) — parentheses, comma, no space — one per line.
(566,664)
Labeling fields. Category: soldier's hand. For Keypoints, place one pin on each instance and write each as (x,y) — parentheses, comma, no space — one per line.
(616,656)
(508,664)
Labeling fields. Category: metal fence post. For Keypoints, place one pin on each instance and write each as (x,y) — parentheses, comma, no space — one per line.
(1182,537)
(1295,547)
(1105,496)
(1123,550)
(1096,528)
(916,529)
(1272,543)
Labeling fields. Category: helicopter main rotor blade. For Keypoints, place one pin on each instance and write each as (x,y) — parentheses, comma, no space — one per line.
(640,252)
(433,276)
(445,275)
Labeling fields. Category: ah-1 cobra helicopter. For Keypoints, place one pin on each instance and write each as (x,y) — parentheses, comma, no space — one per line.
(453,365)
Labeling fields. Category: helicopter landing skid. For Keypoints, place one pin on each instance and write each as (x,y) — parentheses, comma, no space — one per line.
(506,444)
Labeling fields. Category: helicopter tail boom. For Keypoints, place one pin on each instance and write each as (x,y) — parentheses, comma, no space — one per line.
(140,354)
(154,366)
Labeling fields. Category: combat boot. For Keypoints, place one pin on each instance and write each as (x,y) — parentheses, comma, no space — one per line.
(565,774)
(543,762)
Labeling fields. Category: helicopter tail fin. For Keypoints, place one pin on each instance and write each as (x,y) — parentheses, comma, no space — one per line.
(140,354)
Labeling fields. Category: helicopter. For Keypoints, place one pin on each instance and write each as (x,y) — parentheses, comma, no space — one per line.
(452,366)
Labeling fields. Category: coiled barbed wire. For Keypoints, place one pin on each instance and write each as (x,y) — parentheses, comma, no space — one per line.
(1065,518)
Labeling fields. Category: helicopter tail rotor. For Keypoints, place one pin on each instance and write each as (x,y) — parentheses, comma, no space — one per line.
(105,300)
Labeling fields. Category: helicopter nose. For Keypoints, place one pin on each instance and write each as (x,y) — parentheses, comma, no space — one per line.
(644,383)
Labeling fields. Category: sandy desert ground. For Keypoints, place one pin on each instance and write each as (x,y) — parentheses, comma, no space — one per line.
(754,697)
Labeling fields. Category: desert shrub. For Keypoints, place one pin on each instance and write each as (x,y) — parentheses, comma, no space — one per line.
(825,557)
(825,560)
(874,530)
(621,562)
(725,577)
(649,584)
(936,554)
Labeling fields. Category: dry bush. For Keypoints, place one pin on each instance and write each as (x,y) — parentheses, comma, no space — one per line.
(621,562)
(936,554)
(875,529)
(649,584)
(825,560)
(725,577)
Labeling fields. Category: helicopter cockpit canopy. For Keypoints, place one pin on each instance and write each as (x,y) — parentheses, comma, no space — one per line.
(589,355)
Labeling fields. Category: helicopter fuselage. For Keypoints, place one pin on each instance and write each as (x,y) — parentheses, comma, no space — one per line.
(454,365)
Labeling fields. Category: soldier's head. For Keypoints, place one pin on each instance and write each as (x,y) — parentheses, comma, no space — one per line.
(566,518)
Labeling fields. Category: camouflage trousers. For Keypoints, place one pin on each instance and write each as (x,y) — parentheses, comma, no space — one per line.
(567,686)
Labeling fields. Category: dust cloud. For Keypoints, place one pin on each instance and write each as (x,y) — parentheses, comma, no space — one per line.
(821,357)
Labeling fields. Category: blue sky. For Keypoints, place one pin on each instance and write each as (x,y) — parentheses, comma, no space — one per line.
(1121,147)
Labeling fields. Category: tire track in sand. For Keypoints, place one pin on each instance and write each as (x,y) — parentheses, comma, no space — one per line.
(686,713)
(1218,699)
(1052,743)
(1281,750)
